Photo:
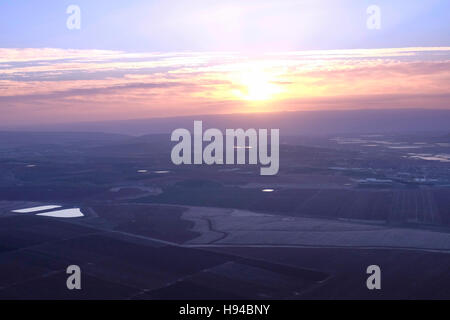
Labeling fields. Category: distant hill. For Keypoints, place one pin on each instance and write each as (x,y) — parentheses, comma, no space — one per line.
(22,139)
(290,123)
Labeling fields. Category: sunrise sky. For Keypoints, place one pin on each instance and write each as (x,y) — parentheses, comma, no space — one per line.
(136,59)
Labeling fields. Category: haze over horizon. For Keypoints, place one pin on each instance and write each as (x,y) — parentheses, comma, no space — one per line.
(290,123)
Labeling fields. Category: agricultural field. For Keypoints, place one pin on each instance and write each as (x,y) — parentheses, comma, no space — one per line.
(142,228)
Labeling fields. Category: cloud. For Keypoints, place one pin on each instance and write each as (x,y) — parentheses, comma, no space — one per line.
(86,91)
(61,85)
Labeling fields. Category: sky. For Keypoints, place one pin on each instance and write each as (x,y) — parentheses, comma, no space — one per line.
(142,59)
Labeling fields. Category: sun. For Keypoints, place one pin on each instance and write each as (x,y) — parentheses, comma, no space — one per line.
(256,85)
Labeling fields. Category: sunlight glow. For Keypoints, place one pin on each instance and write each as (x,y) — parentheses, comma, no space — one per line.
(256,85)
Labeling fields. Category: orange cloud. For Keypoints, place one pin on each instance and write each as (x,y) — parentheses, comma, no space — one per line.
(57,85)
